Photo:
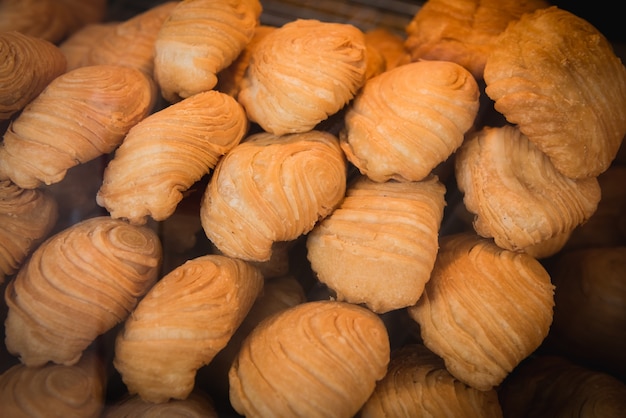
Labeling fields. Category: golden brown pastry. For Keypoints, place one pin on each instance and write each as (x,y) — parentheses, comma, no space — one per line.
(517,195)
(302,73)
(484,309)
(558,78)
(549,247)
(379,246)
(272,188)
(590,312)
(167,152)
(76,47)
(182,323)
(27,66)
(196,405)
(463,31)
(406,121)
(417,384)
(78,284)
(81,115)
(26,219)
(315,359)
(551,386)
(54,390)
(198,40)
(390,45)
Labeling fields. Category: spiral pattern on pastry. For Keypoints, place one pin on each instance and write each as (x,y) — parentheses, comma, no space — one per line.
(484,309)
(518,197)
(167,152)
(316,359)
(182,323)
(54,389)
(557,77)
(196,405)
(406,121)
(272,188)
(302,73)
(81,115)
(26,218)
(27,66)
(76,285)
(199,39)
(417,384)
(379,246)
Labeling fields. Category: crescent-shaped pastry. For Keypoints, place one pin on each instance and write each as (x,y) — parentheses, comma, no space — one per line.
(406,121)
(484,309)
(167,152)
(417,384)
(558,78)
(198,40)
(76,47)
(548,386)
(517,195)
(302,73)
(26,219)
(463,31)
(182,323)
(81,115)
(315,359)
(272,188)
(27,66)
(379,246)
(196,405)
(76,285)
(390,45)
(54,389)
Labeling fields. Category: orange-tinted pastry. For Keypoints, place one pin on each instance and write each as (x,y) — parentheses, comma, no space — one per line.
(78,284)
(379,246)
(406,121)
(484,309)
(519,198)
(196,405)
(557,77)
(272,188)
(390,45)
(315,359)
(27,66)
(81,115)
(463,31)
(198,40)
(182,323)
(76,47)
(417,384)
(167,152)
(26,218)
(54,390)
(302,73)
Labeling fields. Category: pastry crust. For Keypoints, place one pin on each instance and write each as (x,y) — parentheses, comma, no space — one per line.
(182,323)
(517,195)
(390,45)
(379,246)
(81,115)
(167,152)
(272,188)
(556,76)
(302,73)
(77,285)
(316,359)
(196,405)
(484,309)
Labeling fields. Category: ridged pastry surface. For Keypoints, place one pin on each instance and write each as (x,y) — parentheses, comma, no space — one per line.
(484,309)
(182,323)
(316,359)
(167,152)
(77,285)
(196,405)
(406,121)
(379,246)
(272,188)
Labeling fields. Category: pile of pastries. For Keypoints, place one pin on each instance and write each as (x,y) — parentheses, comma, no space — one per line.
(203,215)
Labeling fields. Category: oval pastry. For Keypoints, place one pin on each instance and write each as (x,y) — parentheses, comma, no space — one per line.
(78,284)
(316,359)
(167,152)
(407,120)
(272,188)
